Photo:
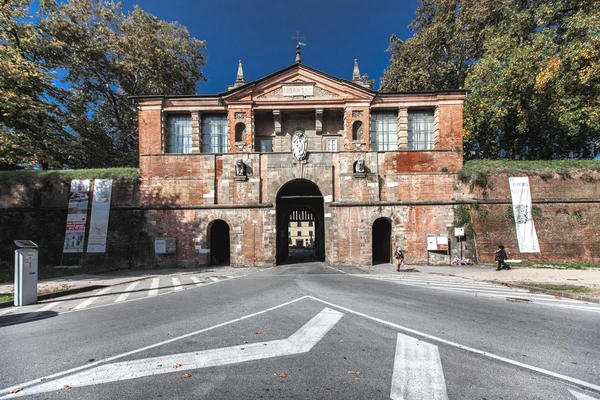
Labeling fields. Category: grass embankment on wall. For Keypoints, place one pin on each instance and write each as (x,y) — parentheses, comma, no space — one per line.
(66,175)
(479,172)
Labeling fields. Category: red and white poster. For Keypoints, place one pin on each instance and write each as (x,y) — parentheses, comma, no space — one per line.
(79,196)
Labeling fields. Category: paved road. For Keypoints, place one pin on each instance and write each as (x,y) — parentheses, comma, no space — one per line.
(302,331)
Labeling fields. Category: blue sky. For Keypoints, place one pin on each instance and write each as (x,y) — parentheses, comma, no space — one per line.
(259,33)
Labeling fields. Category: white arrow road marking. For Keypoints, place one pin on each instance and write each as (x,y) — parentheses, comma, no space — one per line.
(581,396)
(89,301)
(418,371)
(300,342)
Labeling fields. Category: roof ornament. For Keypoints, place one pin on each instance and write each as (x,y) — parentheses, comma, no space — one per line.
(356,73)
(239,79)
(298,44)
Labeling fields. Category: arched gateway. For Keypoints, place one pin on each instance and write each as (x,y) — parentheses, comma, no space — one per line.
(300,197)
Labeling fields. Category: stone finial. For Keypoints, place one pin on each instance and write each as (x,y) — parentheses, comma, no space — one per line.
(298,53)
(239,79)
(356,73)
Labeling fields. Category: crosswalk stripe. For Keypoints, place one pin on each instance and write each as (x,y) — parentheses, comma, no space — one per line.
(37,312)
(89,301)
(196,281)
(176,284)
(214,279)
(125,295)
(154,287)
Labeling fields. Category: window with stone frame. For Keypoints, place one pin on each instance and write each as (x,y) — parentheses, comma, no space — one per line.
(215,138)
(331,145)
(357,131)
(420,130)
(384,130)
(179,134)
(264,145)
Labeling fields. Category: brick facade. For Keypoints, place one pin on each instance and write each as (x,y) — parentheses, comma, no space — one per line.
(335,116)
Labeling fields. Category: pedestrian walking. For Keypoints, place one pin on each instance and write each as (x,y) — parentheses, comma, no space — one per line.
(399,257)
(501,257)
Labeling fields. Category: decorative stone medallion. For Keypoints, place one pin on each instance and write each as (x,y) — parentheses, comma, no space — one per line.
(299,145)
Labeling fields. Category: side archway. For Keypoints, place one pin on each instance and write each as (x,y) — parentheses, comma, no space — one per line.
(219,242)
(382,241)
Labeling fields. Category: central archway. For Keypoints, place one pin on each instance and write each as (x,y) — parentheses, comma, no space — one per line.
(300,197)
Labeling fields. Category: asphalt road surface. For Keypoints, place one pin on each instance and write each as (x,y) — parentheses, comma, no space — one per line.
(302,331)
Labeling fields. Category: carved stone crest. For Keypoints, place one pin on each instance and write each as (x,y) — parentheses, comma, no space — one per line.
(299,145)
(240,170)
(360,170)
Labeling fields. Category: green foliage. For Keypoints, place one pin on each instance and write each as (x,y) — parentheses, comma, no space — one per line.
(558,287)
(536,212)
(532,68)
(479,172)
(88,120)
(578,215)
(462,215)
(8,178)
(508,213)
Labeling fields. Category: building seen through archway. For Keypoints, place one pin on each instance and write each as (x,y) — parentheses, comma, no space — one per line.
(300,231)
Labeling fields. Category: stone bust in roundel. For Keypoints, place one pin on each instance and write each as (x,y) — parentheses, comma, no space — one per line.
(299,145)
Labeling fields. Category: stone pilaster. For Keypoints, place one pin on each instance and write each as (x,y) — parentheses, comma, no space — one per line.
(319,121)
(196,131)
(402,128)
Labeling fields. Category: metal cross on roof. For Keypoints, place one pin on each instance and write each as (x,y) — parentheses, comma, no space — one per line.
(298,37)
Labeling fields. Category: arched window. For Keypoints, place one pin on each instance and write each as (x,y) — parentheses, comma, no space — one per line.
(357,131)
(240,129)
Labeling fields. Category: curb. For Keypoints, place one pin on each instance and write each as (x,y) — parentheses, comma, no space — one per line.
(556,293)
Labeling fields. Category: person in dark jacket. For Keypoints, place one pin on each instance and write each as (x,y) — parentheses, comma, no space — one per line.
(399,257)
(501,257)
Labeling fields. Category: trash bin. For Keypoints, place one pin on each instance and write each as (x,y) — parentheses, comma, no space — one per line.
(26,272)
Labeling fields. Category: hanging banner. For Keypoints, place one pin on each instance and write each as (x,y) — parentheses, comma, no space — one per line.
(521,201)
(79,196)
(100,214)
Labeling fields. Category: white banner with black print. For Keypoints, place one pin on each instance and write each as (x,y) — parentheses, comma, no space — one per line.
(521,201)
(100,215)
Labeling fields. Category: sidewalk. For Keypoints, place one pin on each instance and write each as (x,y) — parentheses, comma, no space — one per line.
(79,283)
(517,277)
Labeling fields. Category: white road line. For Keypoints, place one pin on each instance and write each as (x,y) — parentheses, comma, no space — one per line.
(176,284)
(418,371)
(154,287)
(575,381)
(581,396)
(89,301)
(212,278)
(196,281)
(8,310)
(36,313)
(125,295)
(300,342)
(152,346)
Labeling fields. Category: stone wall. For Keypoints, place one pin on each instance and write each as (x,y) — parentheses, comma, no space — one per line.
(201,188)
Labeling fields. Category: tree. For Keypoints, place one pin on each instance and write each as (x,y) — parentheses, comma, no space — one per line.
(447,39)
(108,56)
(535,92)
(30,128)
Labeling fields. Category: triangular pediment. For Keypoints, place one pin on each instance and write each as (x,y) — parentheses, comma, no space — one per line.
(299,82)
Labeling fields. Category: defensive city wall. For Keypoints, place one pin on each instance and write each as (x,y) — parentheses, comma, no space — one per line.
(566,213)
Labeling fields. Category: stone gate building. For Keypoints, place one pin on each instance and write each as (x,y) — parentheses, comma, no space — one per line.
(226,174)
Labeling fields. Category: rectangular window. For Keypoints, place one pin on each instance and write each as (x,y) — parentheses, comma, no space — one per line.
(265,145)
(310,223)
(420,130)
(331,145)
(310,233)
(384,130)
(299,242)
(299,233)
(215,138)
(179,134)
(299,224)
